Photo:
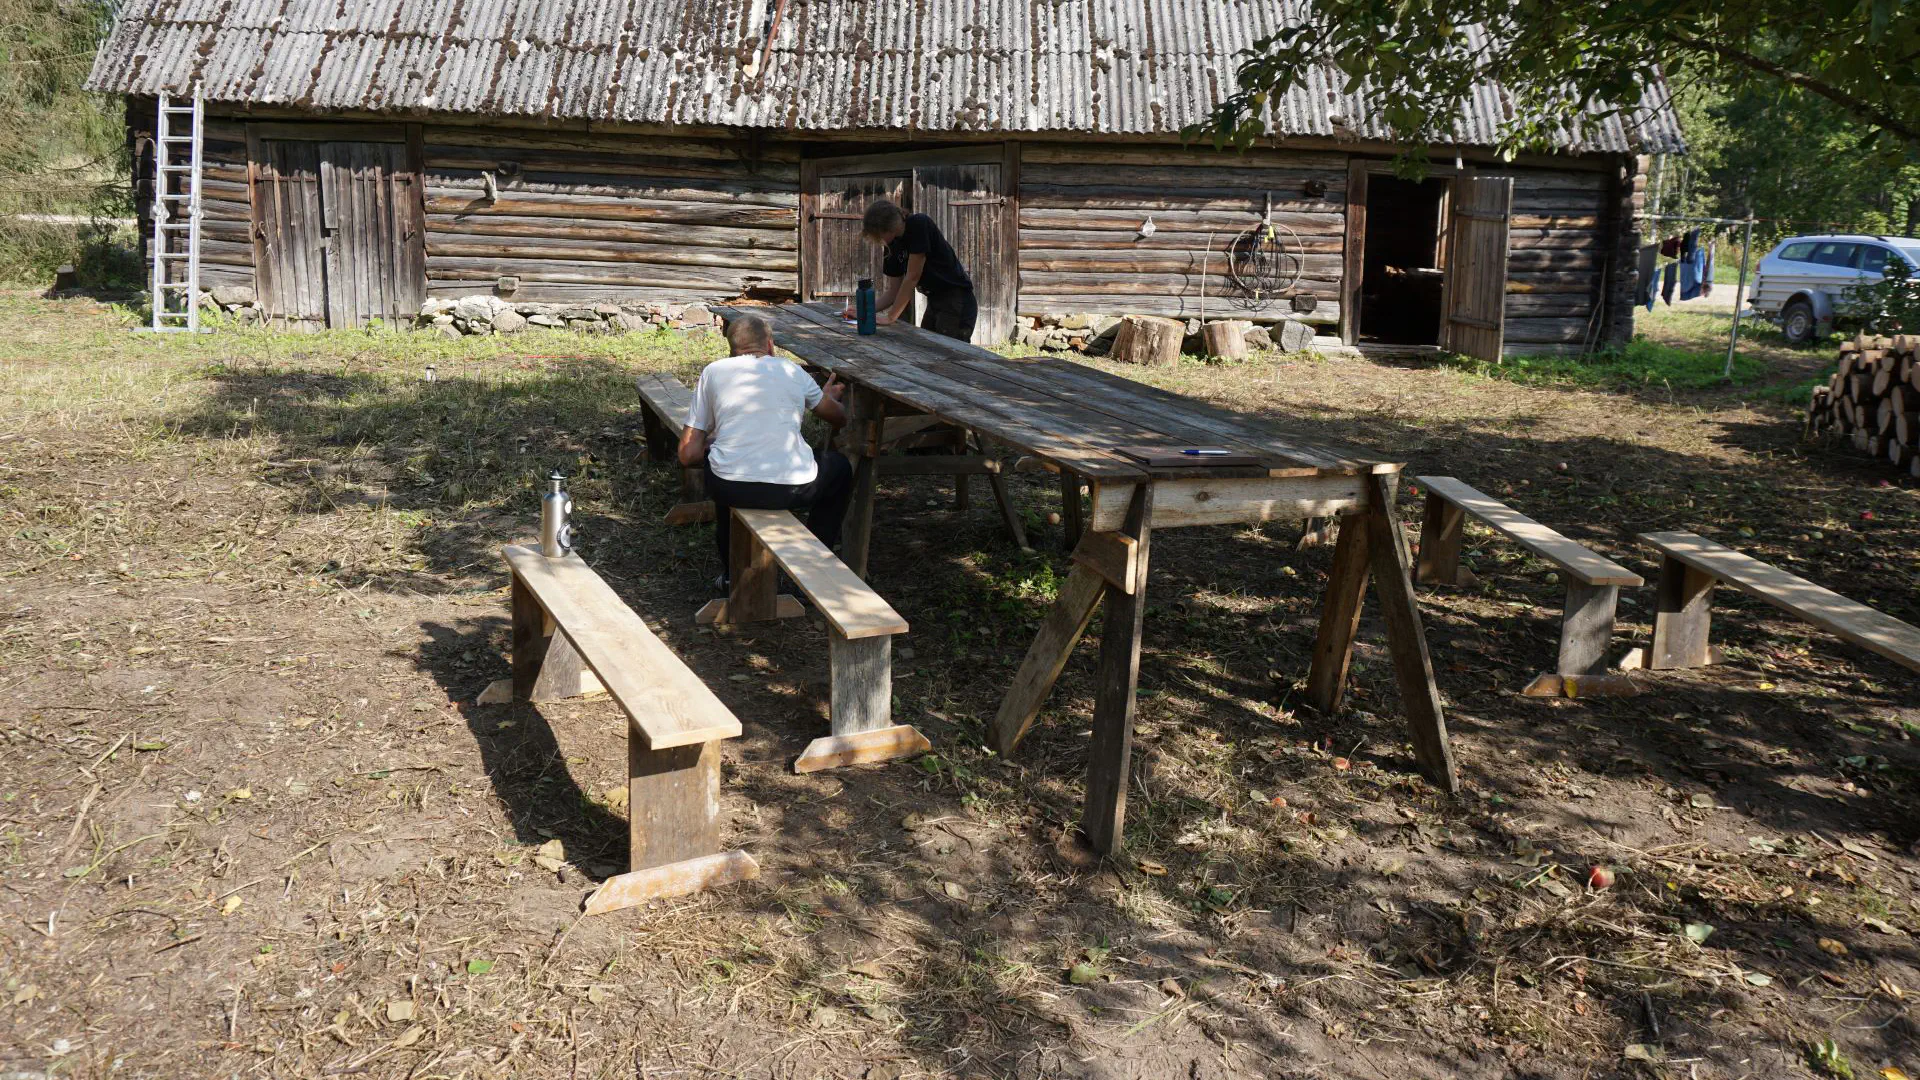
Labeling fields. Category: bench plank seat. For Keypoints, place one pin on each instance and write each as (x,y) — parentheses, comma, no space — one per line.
(667,702)
(1581,563)
(848,603)
(1847,619)
(667,396)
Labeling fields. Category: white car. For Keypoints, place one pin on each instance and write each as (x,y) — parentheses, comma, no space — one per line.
(1801,283)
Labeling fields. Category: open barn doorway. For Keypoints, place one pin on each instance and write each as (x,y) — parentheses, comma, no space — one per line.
(1402,275)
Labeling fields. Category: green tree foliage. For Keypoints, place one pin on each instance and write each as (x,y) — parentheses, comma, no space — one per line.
(1420,60)
(61,148)
(1796,161)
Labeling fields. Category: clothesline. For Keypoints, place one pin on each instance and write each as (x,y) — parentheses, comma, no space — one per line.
(1740,290)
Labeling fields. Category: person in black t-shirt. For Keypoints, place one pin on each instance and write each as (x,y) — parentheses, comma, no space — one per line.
(918,257)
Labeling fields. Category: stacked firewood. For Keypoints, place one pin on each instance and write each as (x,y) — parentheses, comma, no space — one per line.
(1873,399)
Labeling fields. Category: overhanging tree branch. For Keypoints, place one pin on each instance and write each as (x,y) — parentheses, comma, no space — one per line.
(1859,107)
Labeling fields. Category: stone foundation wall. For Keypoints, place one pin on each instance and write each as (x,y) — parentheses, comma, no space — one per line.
(479,315)
(1093,334)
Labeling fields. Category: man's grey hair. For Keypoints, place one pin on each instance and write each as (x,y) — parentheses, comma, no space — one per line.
(750,334)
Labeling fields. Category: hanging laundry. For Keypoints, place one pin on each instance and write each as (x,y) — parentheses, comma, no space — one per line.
(1649,273)
(1670,248)
(1692,262)
(1706,275)
(1666,282)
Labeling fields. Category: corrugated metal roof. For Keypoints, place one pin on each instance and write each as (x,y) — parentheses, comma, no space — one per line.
(1137,67)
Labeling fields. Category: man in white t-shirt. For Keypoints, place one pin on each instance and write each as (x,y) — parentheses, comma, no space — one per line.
(744,424)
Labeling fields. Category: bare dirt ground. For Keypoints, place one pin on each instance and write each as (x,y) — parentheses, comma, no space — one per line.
(252,825)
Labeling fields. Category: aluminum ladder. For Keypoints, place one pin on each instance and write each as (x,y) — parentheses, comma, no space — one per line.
(176,214)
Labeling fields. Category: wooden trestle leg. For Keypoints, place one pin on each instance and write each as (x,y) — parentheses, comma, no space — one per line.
(1109,758)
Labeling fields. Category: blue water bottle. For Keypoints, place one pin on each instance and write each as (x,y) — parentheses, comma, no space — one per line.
(866,307)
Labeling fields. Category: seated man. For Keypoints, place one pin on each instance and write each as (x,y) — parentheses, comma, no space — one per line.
(744,424)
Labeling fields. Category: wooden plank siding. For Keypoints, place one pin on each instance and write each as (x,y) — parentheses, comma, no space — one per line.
(582,216)
(1082,206)
(226,224)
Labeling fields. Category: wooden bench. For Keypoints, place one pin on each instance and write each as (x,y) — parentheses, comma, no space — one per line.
(1593,582)
(666,402)
(860,629)
(1690,566)
(573,635)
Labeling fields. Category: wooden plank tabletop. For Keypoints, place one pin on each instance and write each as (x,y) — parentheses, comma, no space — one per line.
(1071,415)
(1845,618)
(1578,560)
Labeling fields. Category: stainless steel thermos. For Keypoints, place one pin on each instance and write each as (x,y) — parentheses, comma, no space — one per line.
(556,506)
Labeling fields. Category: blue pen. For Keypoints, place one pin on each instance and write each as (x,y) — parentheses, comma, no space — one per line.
(1207,453)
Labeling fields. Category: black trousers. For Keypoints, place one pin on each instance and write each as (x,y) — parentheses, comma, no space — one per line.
(827,494)
(951,313)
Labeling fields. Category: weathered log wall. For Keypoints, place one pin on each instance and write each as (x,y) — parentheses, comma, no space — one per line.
(1559,252)
(1082,206)
(582,216)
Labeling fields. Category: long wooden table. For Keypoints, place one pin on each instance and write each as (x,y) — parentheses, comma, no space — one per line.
(1077,419)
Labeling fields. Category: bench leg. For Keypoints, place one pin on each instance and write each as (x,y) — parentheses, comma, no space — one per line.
(1682,620)
(1110,755)
(563,674)
(754,595)
(1339,617)
(531,629)
(662,444)
(862,708)
(1586,630)
(673,829)
(1440,535)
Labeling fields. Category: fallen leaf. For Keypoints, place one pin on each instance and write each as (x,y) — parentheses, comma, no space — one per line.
(1641,1052)
(411,1035)
(1697,932)
(240,793)
(596,994)
(551,855)
(231,905)
(479,967)
(1891,1073)
(1082,973)
(616,797)
(26,994)
(1882,925)
(399,1011)
(1701,802)
(1754,978)
(1151,868)
(1860,850)
(954,889)
(149,746)
(1172,988)
(1832,947)
(872,969)
(824,1016)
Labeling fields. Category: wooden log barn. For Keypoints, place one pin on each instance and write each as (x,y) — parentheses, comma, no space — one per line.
(363,158)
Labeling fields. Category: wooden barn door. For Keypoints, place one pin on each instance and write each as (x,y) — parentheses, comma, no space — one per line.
(969,204)
(836,255)
(1476,288)
(338,227)
(376,259)
(292,273)
(971,195)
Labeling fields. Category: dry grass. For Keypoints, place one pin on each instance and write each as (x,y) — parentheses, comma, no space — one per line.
(249,824)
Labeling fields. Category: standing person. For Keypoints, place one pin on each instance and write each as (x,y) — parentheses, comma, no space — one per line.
(918,257)
(744,426)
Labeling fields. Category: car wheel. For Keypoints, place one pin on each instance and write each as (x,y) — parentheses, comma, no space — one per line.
(1798,323)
